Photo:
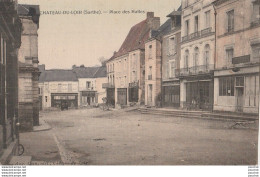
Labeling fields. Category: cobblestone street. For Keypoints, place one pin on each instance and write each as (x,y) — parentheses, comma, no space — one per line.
(96,137)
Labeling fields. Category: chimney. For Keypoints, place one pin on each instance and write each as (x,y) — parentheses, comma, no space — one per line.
(153,22)
(149,15)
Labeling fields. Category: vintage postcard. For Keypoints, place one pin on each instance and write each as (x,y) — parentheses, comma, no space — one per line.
(169,82)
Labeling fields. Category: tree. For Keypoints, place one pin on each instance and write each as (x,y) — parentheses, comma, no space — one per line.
(102,60)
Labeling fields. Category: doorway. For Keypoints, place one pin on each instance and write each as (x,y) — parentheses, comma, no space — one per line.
(150,95)
(239,99)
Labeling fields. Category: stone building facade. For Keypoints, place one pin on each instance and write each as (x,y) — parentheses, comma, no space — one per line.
(90,80)
(236,77)
(10,41)
(171,54)
(126,68)
(57,86)
(197,54)
(28,67)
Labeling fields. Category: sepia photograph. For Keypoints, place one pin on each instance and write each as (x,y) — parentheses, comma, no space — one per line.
(129,83)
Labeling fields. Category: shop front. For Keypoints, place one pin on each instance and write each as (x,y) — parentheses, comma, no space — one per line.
(171,94)
(88,98)
(199,93)
(133,91)
(71,99)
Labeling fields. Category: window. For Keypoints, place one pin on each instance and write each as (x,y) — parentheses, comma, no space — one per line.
(239,81)
(59,87)
(196,24)
(196,57)
(172,45)
(230,21)
(172,68)
(134,78)
(150,52)
(256,52)
(229,55)
(70,87)
(186,59)
(46,99)
(150,73)
(226,86)
(256,12)
(206,56)
(207,19)
(88,84)
(187,27)
(113,80)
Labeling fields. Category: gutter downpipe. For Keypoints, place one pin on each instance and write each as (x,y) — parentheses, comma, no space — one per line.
(215,51)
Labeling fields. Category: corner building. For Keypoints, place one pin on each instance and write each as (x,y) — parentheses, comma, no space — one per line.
(236,77)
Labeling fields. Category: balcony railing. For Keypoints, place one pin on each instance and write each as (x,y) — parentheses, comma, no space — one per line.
(201,69)
(206,31)
(197,34)
(185,38)
(149,77)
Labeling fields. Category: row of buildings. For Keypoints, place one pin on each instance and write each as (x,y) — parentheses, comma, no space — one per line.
(81,86)
(19,72)
(205,56)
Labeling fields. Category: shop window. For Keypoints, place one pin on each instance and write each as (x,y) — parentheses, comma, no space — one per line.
(226,86)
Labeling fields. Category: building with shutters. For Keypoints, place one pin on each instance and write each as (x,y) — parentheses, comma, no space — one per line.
(10,41)
(57,86)
(28,67)
(171,54)
(236,77)
(161,48)
(90,80)
(197,54)
(126,68)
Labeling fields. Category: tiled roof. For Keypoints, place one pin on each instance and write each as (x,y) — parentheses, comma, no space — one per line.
(57,75)
(135,39)
(85,72)
(101,72)
(90,72)
(164,29)
(23,9)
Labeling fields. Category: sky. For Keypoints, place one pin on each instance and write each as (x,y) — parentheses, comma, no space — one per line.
(68,39)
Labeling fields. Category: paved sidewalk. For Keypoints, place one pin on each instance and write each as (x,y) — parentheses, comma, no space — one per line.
(44,126)
(40,144)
